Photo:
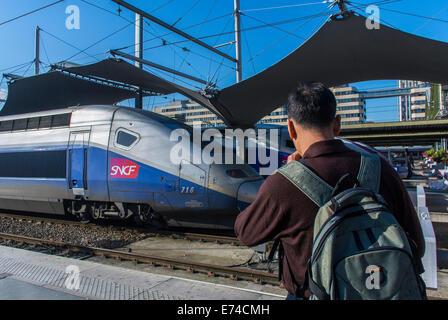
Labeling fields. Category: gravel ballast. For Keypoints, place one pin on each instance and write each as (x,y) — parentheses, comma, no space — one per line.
(108,237)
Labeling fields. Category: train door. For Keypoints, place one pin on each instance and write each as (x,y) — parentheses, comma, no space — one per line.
(192,186)
(77,153)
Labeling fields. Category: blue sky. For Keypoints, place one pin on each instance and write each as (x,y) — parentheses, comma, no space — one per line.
(261,47)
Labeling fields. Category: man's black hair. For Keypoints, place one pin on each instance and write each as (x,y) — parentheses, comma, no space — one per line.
(312,105)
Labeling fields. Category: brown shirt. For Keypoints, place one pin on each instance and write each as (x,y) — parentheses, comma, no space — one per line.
(282,211)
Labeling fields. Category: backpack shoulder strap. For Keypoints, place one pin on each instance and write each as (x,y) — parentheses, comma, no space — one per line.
(316,189)
(370,171)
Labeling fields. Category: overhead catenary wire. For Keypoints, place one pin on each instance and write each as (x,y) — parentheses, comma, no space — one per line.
(375,17)
(184,60)
(287,6)
(31,12)
(162,6)
(155,37)
(200,30)
(242,30)
(325,13)
(217,70)
(19,65)
(408,13)
(99,41)
(68,43)
(250,53)
(189,10)
(429,21)
(45,50)
(274,26)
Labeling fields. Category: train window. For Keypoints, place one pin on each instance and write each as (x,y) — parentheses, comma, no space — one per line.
(126,139)
(61,120)
(19,124)
(45,122)
(6,126)
(33,123)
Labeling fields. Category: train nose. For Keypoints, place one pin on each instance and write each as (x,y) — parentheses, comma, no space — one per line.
(247,193)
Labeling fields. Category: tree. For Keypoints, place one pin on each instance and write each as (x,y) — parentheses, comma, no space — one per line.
(432,108)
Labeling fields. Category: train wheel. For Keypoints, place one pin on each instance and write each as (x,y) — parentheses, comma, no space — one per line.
(147,216)
(84,218)
(142,215)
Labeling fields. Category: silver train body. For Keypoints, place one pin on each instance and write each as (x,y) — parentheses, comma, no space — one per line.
(108,161)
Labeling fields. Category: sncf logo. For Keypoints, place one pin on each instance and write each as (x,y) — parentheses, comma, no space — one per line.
(123,168)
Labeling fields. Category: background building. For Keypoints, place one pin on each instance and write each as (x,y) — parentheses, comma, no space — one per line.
(350,105)
(413,106)
(278,116)
(190,113)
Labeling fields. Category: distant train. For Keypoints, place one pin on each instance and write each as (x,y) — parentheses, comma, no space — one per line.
(114,162)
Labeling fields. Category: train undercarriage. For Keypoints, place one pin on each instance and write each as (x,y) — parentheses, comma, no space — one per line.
(86,211)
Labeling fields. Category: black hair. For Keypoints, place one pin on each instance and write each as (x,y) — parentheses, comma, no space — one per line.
(312,105)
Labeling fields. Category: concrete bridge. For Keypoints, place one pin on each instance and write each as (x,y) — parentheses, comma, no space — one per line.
(404,133)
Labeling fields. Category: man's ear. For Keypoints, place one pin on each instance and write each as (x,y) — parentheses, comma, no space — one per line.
(292,130)
(337,125)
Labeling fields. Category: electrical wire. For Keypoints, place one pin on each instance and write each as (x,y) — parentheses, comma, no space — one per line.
(19,65)
(325,15)
(67,43)
(380,19)
(428,22)
(200,30)
(31,12)
(27,69)
(99,41)
(157,37)
(163,5)
(273,26)
(242,30)
(45,49)
(189,10)
(218,69)
(288,6)
(409,14)
(250,53)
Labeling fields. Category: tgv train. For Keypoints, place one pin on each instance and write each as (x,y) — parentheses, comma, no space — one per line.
(107,161)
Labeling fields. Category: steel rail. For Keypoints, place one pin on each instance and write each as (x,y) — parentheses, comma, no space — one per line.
(193,267)
(189,266)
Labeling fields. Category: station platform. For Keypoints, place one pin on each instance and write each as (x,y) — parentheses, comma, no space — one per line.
(28,275)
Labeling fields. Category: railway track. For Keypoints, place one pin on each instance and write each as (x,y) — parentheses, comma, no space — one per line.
(83,252)
(202,237)
(256,276)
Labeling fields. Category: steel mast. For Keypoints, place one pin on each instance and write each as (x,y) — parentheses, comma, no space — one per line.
(37,51)
(237,14)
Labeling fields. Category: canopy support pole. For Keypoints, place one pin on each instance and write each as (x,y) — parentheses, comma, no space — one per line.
(239,71)
(37,51)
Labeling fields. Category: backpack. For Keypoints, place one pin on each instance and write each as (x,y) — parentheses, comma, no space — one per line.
(359,250)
